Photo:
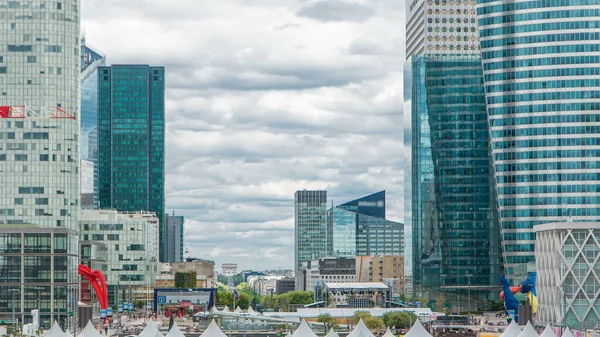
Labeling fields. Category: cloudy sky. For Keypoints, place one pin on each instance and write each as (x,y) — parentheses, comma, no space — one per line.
(266,97)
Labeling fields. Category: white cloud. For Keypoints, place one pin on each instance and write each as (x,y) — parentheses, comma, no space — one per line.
(266,97)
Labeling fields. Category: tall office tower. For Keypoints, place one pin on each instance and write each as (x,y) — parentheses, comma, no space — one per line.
(174,239)
(88,149)
(311,234)
(359,227)
(450,200)
(541,61)
(131,140)
(39,179)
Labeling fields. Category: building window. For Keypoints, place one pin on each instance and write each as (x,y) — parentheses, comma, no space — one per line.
(20,157)
(18,201)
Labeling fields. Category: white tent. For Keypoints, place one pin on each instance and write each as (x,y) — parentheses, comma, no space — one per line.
(548,332)
(332,333)
(360,330)
(55,331)
(175,331)
(417,330)
(304,331)
(213,330)
(89,331)
(150,330)
(388,333)
(68,334)
(214,310)
(251,312)
(567,333)
(238,310)
(512,330)
(528,331)
(226,309)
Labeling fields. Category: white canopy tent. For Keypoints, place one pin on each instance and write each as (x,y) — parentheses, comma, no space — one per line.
(567,333)
(175,331)
(213,330)
(360,330)
(388,333)
(238,310)
(214,310)
(89,331)
(55,331)
(417,330)
(226,309)
(251,312)
(512,330)
(332,333)
(68,334)
(548,332)
(150,330)
(304,331)
(528,331)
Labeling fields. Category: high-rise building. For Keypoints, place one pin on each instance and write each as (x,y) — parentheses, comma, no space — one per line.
(88,144)
(174,238)
(359,227)
(541,67)
(39,179)
(131,139)
(449,198)
(311,234)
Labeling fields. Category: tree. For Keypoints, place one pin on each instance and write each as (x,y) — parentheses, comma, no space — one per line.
(398,319)
(360,314)
(374,323)
(243,301)
(325,318)
(186,279)
(223,279)
(139,304)
(224,298)
(237,279)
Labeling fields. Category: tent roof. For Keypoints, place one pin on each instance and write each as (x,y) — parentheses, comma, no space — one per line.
(512,330)
(68,334)
(214,309)
(548,332)
(304,331)
(150,330)
(417,330)
(89,331)
(252,312)
(55,331)
(213,330)
(567,333)
(332,333)
(360,330)
(238,310)
(528,331)
(175,331)
(388,333)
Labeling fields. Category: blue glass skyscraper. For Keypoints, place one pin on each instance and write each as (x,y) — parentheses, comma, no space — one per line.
(541,66)
(131,140)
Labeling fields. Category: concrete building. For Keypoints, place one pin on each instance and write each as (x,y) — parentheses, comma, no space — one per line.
(284,285)
(356,295)
(132,248)
(174,238)
(387,269)
(312,238)
(568,268)
(39,160)
(264,285)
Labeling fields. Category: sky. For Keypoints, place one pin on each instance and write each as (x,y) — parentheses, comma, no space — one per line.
(266,97)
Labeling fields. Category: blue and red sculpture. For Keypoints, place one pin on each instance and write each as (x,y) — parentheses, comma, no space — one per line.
(511,304)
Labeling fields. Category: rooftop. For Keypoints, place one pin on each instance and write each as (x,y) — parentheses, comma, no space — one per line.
(357,285)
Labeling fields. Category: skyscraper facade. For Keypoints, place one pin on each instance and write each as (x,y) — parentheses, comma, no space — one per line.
(174,238)
(131,139)
(311,234)
(541,67)
(39,179)
(449,193)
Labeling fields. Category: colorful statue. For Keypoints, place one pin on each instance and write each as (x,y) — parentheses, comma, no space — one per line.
(526,287)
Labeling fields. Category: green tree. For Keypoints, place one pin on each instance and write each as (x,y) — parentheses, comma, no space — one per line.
(139,304)
(237,279)
(224,298)
(360,314)
(223,279)
(186,279)
(374,323)
(243,301)
(398,319)
(325,318)
(245,288)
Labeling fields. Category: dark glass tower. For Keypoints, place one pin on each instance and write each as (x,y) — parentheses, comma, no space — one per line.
(451,203)
(131,139)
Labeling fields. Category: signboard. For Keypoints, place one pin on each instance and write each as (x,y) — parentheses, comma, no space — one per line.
(103,313)
(172,297)
(109,312)
(120,308)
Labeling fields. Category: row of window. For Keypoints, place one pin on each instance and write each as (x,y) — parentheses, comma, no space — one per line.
(509,144)
(568,165)
(538,27)
(42,157)
(37,212)
(556,177)
(539,15)
(569,210)
(543,131)
(570,188)
(530,74)
(536,4)
(549,107)
(552,96)
(583,200)
(573,48)
(544,61)
(27,48)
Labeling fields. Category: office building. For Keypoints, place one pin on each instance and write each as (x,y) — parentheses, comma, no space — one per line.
(359,227)
(86,183)
(174,238)
(541,67)
(312,237)
(92,254)
(387,269)
(568,272)
(131,240)
(131,139)
(91,59)
(39,179)
(284,285)
(330,269)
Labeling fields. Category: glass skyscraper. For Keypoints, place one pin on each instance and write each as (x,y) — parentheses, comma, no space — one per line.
(541,67)
(131,140)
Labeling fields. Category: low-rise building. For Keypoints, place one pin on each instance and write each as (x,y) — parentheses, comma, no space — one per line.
(263,285)
(388,269)
(131,239)
(356,295)
(284,285)
(330,269)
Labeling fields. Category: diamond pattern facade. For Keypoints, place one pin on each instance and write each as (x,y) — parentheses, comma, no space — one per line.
(568,266)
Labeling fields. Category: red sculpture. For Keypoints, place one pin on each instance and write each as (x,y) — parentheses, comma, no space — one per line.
(98,282)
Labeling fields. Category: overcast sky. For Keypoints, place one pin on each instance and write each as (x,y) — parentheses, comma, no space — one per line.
(265,97)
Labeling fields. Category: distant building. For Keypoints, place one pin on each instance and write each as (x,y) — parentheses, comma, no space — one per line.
(132,248)
(86,183)
(263,285)
(387,269)
(356,295)
(284,285)
(93,254)
(174,238)
(330,269)
(229,269)
(247,273)
(312,236)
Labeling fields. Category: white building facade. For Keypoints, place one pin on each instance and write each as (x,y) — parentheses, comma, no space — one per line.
(568,267)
